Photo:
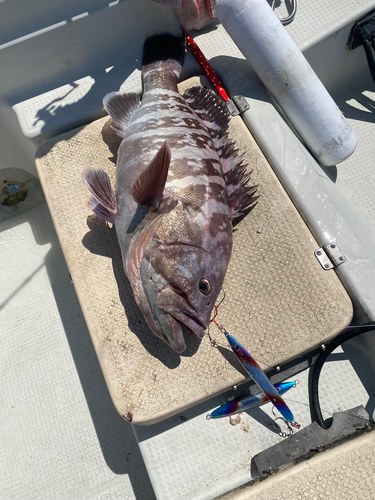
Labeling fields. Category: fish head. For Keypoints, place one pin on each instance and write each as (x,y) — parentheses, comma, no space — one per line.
(181,284)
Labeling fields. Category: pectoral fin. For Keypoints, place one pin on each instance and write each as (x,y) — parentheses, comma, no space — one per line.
(149,186)
(120,108)
(103,201)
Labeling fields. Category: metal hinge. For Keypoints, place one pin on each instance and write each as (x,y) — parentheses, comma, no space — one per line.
(330,256)
(237,105)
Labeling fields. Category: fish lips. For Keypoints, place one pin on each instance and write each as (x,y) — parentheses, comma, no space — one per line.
(171,332)
(183,314)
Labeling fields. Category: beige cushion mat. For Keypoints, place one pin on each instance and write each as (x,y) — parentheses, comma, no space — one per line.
(279,303)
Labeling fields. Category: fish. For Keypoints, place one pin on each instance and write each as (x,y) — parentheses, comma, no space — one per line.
(179,185)
(247,402)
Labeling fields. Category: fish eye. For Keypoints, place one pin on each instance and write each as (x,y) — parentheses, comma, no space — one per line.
(204,286)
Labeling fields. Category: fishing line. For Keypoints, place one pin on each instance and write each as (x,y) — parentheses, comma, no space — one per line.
(289,425)
(214,342)
(276,426)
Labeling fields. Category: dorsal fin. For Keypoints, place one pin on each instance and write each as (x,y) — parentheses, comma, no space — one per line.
(239,196)
(211,109)
(103,201)
(149,186)
(120,108)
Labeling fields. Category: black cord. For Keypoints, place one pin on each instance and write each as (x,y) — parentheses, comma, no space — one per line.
(314,374)
(370,57)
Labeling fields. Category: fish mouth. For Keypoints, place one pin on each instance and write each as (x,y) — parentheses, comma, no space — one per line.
(175,338)
(181,313)
(192,324)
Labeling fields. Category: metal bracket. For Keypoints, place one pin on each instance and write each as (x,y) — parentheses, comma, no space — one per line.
(237,105)
(232,108)
(241,103)
(330,256)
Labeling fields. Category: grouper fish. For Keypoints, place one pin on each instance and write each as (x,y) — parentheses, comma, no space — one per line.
(179,185)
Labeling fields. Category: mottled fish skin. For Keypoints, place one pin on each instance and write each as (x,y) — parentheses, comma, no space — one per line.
(175,252)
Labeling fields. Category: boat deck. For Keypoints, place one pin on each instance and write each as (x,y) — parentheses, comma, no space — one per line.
(62,437)
(332,474)
(286,306)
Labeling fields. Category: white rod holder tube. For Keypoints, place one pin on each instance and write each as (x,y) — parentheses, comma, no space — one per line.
(263,40)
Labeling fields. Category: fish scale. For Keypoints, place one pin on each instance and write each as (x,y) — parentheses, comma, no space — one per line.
(179,184)
(180,177)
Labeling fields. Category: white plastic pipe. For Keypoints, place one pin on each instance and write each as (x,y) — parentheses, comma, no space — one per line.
(279,63)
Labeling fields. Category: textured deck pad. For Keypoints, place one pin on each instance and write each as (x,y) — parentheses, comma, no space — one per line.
(279,302)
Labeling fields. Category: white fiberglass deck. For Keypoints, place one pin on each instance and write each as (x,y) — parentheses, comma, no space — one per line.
(61,435)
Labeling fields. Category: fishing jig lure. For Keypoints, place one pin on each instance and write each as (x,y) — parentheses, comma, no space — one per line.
(247,402)
(257,374)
